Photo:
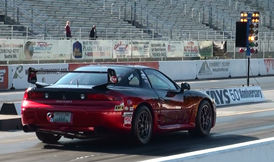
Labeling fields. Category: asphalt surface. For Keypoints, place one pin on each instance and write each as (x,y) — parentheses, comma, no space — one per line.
(235,124)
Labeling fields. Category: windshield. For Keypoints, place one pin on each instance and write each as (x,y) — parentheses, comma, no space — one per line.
(93,79)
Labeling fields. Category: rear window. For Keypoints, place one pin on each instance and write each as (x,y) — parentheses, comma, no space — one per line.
(92,78)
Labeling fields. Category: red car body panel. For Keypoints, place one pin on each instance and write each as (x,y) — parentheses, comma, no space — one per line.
(172,112)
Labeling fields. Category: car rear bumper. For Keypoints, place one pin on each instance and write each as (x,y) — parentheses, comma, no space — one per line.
(83,119)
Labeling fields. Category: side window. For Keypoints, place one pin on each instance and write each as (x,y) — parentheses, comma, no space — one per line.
(133,79)
(159,81)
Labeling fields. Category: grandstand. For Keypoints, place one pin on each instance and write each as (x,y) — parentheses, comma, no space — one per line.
(131,19)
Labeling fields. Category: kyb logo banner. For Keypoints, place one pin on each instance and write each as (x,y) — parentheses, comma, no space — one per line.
(238,95)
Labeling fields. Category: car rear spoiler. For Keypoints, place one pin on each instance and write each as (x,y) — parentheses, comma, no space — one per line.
(32,75)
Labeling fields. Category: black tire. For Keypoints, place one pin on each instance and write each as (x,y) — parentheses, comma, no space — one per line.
(142,125)
(204,119)
(47,138)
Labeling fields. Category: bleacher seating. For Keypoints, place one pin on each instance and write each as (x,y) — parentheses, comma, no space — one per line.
(133,19)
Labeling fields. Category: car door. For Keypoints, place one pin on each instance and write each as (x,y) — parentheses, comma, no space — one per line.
(170,97)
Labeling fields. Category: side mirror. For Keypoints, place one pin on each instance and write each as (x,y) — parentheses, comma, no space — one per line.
(185,86)
(112,78)
(32,78)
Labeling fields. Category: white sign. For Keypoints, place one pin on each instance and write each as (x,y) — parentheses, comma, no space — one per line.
(121,49)
(140,48)
(191,49)
(158,49)
(18,74)
(47,49)
(175,49)
(10,49)
(97,49)
(229,96)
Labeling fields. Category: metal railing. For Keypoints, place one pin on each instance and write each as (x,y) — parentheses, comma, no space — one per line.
(16,10)
(24,32)
(14,32)
(136,11)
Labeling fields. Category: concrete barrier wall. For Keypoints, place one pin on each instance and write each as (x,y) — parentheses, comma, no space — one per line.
(179,70)
(210,69)
(15,75)
(253,151)
(238,68)
(213,69)
(268,65)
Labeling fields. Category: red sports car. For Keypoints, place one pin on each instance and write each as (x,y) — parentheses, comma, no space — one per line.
(134,100)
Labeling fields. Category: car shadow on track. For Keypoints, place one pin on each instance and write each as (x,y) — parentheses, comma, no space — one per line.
(161,145)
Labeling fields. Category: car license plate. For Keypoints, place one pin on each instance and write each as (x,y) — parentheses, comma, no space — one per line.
(61,117)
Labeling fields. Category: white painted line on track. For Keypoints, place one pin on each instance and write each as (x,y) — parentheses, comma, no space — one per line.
(82,157)
(224,114)
(209,152)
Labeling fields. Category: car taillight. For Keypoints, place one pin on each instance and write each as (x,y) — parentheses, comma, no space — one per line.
(34,95)
(25,95)
(103,97)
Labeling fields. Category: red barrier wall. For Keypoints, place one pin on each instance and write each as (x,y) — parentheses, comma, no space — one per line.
(154,64)
(4,77)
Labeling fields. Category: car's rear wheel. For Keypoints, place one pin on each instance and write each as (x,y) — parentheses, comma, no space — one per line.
(204,119)
(142,125)
(47,137)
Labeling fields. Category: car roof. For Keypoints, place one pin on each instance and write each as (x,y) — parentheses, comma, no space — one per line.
(114,66)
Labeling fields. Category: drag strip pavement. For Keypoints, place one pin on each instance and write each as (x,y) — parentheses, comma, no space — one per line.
(235,124)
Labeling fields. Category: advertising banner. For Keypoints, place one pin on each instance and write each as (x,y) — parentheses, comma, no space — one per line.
(213,69)
(18,74)
(191,49)
(229,96)
(4,77)
(92,49)
(219,48)
(77,50)
(11,49)
(175,49)
(206,48)
(140,48)
(158,49)
(47,49)
(121,49)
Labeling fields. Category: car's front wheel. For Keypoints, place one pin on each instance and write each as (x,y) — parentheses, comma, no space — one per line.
(142,125)
(204,119)
(47,138)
